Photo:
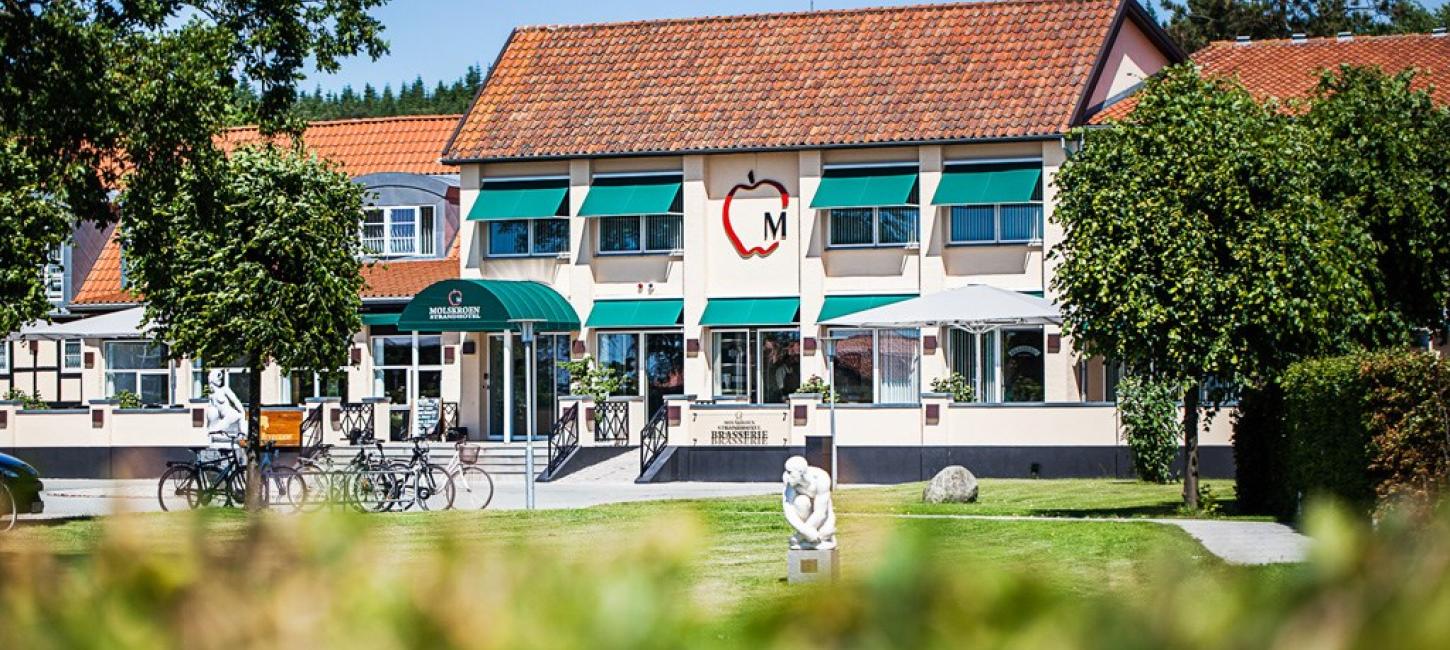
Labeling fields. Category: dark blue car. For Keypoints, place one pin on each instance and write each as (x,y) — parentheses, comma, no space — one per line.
(20,488)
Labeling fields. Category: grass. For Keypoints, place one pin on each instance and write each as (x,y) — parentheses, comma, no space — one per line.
(743,556)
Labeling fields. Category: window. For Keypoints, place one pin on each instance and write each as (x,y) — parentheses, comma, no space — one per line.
(863,227)
(524,237)
(761,366)
(54,275)
(648,363)
(651,233)
(1002,365)
(877,365)
(234,376)
(399,231)
(405,368)
(138,367)
(4,356)
(551,351)
(303,385)
(70,355)
(996,224)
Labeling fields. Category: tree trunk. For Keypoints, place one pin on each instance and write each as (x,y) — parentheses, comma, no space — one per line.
(1190,447)
(254,438)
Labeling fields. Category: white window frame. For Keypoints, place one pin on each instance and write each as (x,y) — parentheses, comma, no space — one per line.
(644,248)
(413,368)
(65,357)
(54,272)
(286,384)
(876,359)
(996,226)
(199,379)
(387,239)
(875,229)
(5,356)
(754,376)
(532,240)
(164,371)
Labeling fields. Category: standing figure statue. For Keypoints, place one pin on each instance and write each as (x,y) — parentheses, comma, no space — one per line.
(223,409)
(807,504)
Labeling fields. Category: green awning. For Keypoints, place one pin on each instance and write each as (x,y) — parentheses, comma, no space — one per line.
(837,306)
(865,187)
(536,199)
(629,195)
(487,306)
(990,183)
(375,320)
(737,312)
(636,313)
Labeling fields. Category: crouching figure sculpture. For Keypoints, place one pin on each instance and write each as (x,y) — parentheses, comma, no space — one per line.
(807,505)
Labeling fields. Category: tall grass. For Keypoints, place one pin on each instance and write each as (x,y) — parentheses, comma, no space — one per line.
(330,581)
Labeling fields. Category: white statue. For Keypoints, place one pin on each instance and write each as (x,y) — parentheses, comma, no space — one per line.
(807,504)
(223,409)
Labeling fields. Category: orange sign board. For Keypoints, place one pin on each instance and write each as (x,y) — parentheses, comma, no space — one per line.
(283,427)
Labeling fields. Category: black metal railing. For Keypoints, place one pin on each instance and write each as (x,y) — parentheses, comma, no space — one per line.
(357,422)
(312,431)
(654,437)
(563,439)
(611,422)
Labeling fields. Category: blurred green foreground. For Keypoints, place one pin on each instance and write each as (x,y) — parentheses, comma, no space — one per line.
(710,574)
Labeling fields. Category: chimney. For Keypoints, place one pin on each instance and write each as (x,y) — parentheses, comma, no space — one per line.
(1298,38)
(1243,40)
(1344,37)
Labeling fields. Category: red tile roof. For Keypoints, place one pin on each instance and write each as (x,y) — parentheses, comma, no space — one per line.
(1283,69)
(367,146)
(387,279)
(961,71)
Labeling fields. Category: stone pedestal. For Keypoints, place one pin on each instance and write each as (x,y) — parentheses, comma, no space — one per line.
(808,566)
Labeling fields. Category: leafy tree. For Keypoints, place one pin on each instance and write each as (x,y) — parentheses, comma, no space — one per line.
(71,122)
(250,256)
(1194,23)
(1196,245)
(1385,149)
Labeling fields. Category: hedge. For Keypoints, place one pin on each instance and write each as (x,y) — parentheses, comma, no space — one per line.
(1369,429)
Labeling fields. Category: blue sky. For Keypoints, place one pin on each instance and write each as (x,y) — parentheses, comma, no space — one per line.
(439,39)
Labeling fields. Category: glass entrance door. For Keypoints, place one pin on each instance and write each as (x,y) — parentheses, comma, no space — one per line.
(664,365)
(553,381)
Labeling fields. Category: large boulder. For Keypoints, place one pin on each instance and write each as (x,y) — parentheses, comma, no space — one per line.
(953,484)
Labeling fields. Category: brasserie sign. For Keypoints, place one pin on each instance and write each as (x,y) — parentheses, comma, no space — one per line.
(755,428)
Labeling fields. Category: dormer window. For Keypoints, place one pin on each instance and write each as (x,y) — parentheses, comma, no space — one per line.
(400,231)
(53,275)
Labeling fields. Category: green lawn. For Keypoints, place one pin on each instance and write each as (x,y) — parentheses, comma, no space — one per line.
(741,552)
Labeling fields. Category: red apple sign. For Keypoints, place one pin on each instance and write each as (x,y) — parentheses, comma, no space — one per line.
(770,228)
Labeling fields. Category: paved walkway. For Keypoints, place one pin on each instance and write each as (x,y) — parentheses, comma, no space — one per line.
(1236,542)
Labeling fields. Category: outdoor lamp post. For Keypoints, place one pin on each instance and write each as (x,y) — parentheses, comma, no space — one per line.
(830,347)
(526,334)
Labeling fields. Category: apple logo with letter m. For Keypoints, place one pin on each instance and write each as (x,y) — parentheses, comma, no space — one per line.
(773,224)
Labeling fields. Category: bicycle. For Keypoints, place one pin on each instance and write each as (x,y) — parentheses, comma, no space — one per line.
(472,486)
(366,483)
(218,477)
(426,485)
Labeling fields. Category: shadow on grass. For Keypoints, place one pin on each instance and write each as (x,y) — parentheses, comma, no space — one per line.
(1167,509)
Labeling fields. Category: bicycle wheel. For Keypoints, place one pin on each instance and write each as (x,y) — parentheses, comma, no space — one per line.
(9,512)
(317,488)
(179,489)
(370,488)
(472,488)
(283,488)
(435,490)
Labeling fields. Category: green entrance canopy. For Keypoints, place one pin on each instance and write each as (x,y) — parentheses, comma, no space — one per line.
(487,306)
(865,187)
(631,195)
(375,320)
(990,183)
(536,199)
(837,306)
(737,312)
(636,313)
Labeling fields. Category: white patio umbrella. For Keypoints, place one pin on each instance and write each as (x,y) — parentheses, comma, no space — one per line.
(124,324)
(975,308)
